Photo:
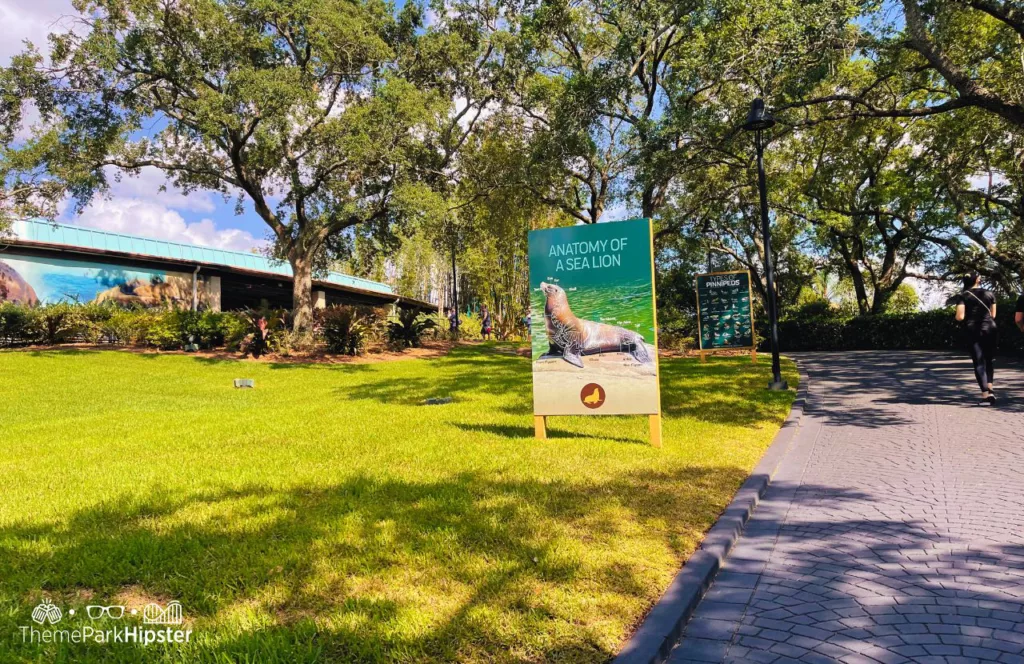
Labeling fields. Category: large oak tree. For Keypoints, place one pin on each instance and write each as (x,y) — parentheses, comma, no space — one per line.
(301,108)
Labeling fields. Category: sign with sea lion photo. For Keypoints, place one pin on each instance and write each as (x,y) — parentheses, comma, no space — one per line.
(594,326)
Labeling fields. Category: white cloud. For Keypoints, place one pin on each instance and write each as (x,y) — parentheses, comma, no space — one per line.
(147,187)
(136,205)
(619,211)
(430,17)
(31,20)
(29,120)
(150,219)
(459,104)
(932,295)
(983,182)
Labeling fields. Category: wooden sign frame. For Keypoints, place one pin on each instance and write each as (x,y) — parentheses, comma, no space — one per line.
(700,328)
(653,419)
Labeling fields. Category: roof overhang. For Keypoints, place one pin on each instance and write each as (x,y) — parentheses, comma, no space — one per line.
(190,266)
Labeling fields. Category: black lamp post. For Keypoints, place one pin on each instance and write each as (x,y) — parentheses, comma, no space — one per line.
(455,293)
(757,121)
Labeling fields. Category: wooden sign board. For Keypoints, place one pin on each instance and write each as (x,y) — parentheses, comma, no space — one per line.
(725,313)
(594,332)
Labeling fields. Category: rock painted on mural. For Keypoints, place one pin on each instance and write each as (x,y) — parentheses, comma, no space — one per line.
(43,280)
(14,288)
(154,292)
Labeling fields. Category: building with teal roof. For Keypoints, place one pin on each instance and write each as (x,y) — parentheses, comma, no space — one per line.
(47,262)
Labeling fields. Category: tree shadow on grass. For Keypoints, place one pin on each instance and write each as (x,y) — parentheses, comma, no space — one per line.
(464,372)
(516,432)
(470,567)
(52,352)
(722,391)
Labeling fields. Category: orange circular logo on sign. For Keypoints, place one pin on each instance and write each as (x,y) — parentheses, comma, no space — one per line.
(592,395)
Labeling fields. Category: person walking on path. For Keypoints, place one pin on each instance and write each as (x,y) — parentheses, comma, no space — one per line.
(453,322)
(1018,317)
(977,308)
(485,323)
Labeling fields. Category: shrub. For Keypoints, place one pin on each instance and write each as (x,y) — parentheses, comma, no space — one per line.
(234,327)
(347,329)
(123,327)
(440,329)
(922,330)
(813,308)
(164,332)
(672,340)
(207,329)
(931,330)
(17,324)
(178,328)
(904,300)
(408,329)
(58,323)
(265,328)
(470,326)
(192,329)
(66,321)
(92,319)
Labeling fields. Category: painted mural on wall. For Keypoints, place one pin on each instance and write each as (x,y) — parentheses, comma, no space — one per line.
(34,280)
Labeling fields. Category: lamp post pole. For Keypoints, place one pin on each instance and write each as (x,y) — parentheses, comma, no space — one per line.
(757,121)
(455,292)
(769,268)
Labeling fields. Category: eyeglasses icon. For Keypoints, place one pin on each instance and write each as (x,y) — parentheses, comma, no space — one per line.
(95,612)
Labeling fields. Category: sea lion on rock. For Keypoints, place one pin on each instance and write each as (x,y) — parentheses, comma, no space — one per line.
(572,337)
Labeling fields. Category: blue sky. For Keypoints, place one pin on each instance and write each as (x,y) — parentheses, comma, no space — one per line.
(135,205)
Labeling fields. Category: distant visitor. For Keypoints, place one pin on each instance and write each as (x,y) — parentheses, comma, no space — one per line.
(977,308)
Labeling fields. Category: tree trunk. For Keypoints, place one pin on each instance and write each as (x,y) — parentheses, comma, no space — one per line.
(880,298)
(856,276)
(302,295)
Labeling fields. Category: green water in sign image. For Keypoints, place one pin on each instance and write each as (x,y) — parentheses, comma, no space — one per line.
(605,270)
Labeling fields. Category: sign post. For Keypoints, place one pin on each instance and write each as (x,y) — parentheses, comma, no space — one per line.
(594,333)
(725,313)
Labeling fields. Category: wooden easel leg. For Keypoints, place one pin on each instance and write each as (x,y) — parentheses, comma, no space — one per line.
(655,422)
(753,356)
(703,358)
(540,427)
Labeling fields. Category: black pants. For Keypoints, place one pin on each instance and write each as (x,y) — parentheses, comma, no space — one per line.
(982,347)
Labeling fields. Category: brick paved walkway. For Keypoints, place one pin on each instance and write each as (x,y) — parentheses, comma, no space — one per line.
(892,532)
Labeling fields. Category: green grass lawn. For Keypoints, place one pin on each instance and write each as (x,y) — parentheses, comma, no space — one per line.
(328,516)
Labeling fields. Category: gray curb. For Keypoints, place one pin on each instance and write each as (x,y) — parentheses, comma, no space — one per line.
(657,635)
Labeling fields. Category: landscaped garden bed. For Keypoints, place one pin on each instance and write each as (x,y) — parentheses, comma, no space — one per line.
(329,515)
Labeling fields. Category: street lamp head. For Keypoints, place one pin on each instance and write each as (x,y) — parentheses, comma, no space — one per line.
(758,118)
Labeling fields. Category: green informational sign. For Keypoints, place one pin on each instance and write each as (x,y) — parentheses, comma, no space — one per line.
(723,304)
(594,329)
